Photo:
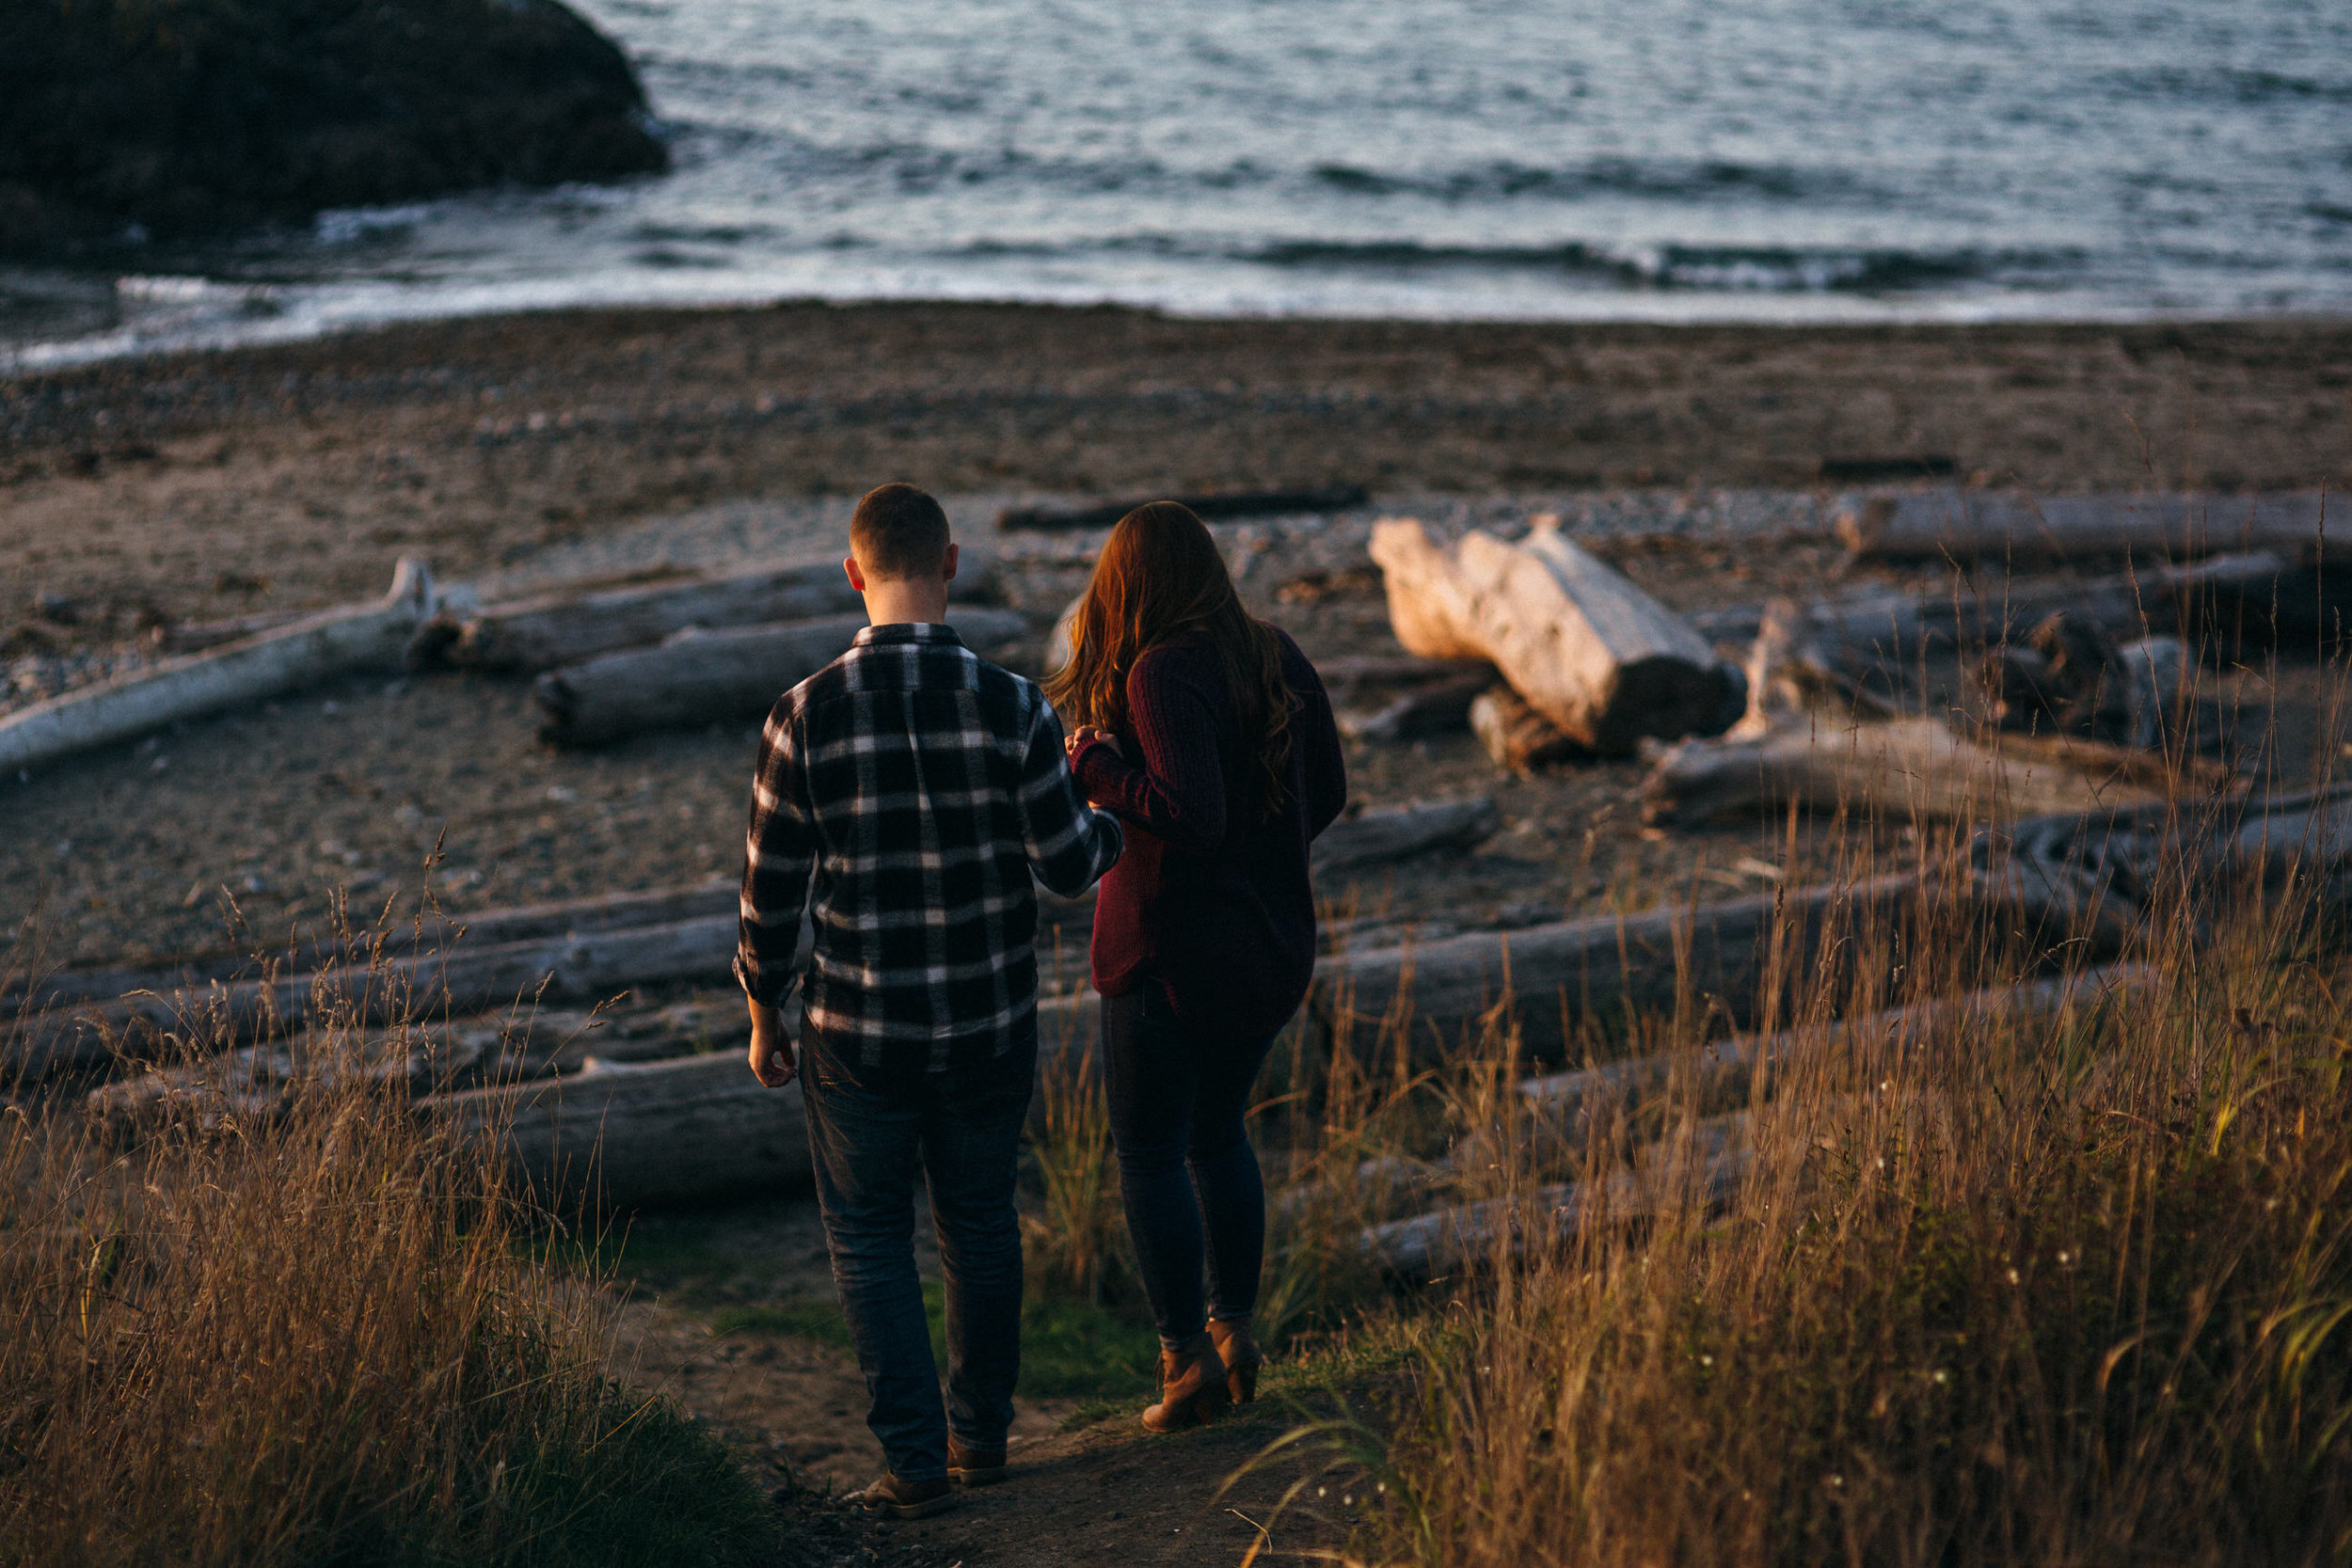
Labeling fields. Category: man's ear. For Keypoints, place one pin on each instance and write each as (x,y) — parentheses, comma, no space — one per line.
(954,552)
(857,573)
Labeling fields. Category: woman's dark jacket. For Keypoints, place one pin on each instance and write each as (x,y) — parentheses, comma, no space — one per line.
(1211,898)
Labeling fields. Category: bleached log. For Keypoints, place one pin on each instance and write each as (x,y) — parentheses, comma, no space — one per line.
(1967,525)
(699,677)
(1230,503)
(1400,832)
(568,626)
(1915,769)
(626,1135)
(314,648)
(1586,648)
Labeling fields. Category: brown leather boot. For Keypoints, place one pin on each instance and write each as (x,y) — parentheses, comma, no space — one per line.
(1192,1386)
(903,1500)
(974,1467)
(1238,1349)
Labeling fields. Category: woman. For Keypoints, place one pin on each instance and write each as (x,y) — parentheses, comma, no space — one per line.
(1209,734)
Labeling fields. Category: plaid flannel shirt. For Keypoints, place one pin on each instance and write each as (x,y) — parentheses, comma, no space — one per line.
(907,792)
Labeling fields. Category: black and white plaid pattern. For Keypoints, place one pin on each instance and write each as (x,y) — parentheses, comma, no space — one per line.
(906,794)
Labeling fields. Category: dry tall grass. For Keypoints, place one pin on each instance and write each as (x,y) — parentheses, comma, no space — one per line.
(327,1339)
(2072,1291)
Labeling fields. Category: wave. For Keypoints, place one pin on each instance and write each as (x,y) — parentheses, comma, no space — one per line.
(1706,179)
(1769,269)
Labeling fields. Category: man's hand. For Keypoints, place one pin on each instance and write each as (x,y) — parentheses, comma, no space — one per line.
(774,1063)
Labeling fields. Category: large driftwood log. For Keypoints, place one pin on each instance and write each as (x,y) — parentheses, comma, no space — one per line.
(314,648)
(488,927)
(2053,889)
(700,677)
(1556,979)
(1586,648)
(1915,769)
(568,626)
(1725,1074)
(620,1136)
(585,966)
(1968,526)
(1232,504)
(1384,838)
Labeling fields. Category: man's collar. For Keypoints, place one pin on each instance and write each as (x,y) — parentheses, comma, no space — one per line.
(906,631)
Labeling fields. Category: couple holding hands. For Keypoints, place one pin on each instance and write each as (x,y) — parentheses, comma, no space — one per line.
(909,796)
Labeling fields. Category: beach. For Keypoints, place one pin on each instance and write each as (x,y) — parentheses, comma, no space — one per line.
(531,449)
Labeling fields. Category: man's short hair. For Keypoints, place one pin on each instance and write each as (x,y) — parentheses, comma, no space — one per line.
(898,532)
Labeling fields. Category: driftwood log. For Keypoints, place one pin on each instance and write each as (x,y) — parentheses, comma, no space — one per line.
(1915,769)
(1725,1074)
(2064,889)
(702,677)
(1968,526)
(585,966)
(2260,599)
(568,626)
(1702,1178)
(1400,832)
(489,927)
(1232,504)
(622,1136)
(1555,980)
(1588,650)
(1441,707)
(314,648)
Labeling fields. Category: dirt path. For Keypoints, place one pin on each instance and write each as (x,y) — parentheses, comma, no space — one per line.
(1088,1484)
(1104,1491)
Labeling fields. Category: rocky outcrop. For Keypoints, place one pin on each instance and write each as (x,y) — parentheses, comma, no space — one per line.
(189,116)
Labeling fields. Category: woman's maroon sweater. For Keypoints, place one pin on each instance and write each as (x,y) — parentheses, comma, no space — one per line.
(1211,898)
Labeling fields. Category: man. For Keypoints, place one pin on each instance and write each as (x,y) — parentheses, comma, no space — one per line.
(907,792)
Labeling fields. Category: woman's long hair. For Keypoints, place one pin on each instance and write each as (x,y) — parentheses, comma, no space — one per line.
(1161,575)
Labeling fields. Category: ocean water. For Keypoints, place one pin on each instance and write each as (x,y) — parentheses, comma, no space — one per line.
(1663,160)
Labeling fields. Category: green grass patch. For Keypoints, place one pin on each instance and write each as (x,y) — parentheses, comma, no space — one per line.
(1068,1350)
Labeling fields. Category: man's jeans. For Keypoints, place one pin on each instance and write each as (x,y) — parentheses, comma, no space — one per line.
(869,1132)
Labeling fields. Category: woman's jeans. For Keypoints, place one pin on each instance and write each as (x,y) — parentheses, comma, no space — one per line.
(1186,1172)
(868,1134)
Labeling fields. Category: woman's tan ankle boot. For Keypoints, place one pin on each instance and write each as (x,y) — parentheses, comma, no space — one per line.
(1238,1349)
(1192,1386)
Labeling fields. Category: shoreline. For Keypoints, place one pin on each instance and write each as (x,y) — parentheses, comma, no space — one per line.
(311,321)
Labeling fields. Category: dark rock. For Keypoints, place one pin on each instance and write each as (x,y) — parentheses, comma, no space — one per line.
(192,117)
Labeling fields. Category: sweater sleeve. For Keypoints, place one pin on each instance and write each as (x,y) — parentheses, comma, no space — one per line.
(1317,734)
(1175,788)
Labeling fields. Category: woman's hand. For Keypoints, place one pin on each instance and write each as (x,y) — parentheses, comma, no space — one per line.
(1087,733)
